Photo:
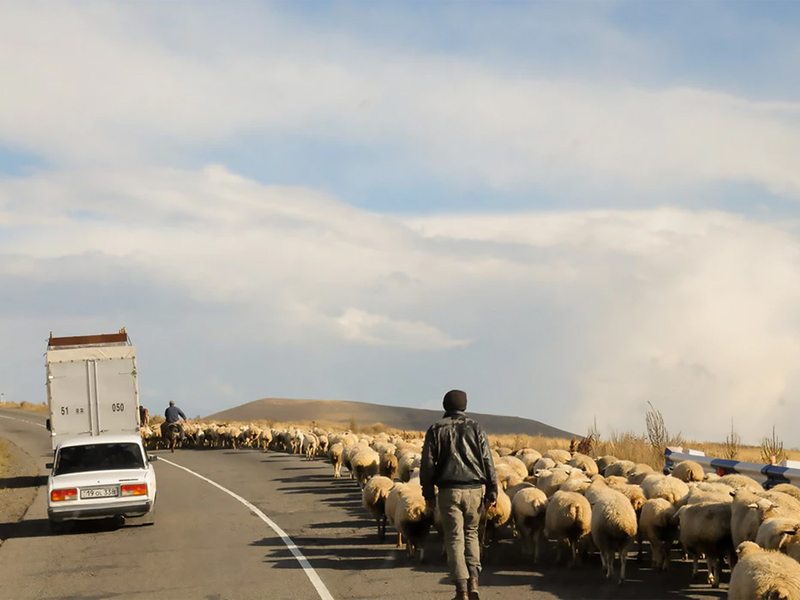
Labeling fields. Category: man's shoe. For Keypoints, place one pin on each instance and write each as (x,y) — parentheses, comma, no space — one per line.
(461,596)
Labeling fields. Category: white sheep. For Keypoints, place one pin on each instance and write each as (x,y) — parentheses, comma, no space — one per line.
(620,468)
(550,480)
(544,463)
(373,497)
(568,519)
(763,575)
(668,487)
(388,466)
(737,480)
(639,472)
(688,471)
(585,464)
(516,465)
(495,517)
(558,455)
(787,488)
(775,533)
(706,492)
(749,510)
(408,463)
(660,527)
(365,464)
(335,457)
(604,461)
(413,520)
(705,528)
(528,508)
(614,526)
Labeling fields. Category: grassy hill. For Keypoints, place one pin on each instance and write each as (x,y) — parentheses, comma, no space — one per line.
(344,412)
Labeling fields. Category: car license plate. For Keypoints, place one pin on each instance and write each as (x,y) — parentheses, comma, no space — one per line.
(99,492)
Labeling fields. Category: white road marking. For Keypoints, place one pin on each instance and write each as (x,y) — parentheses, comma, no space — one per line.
(323,592)
(23,421)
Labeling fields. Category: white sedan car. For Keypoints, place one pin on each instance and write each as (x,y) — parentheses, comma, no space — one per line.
(100,477)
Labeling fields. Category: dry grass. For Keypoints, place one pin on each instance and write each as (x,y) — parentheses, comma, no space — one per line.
(42,408)
(624,445)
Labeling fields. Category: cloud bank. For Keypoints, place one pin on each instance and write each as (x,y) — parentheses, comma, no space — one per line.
(237,287)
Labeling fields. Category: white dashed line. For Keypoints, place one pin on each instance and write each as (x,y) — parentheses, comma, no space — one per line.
(23,421)
(323,592)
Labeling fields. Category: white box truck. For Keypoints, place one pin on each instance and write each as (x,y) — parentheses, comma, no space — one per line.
(91,386)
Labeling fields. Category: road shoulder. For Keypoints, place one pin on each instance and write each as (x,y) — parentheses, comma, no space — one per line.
(19,483)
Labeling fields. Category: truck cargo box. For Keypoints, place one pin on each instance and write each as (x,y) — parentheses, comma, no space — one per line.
(92,386)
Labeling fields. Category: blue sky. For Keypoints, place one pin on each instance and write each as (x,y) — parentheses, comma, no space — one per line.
(568,209)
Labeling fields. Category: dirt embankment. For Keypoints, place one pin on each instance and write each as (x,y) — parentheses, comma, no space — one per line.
(19,482)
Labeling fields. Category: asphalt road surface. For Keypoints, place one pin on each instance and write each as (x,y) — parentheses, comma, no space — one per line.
(208,544)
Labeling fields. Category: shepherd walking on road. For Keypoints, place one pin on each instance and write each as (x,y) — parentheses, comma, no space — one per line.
(456,459)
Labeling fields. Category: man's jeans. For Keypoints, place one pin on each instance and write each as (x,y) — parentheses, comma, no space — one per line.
(461,513)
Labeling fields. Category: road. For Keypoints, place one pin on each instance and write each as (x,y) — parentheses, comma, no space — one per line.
(208,544)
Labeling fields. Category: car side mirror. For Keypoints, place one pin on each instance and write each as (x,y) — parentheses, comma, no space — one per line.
(152,458)
(48,466)
(47,424)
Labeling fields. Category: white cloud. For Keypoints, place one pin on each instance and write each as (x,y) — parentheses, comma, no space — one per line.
(130,92)
(555,316)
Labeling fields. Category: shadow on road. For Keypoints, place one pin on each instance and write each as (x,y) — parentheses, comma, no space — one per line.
(25,481)
(31,528)
(344,538)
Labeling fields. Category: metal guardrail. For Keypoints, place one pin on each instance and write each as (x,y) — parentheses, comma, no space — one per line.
(767,475)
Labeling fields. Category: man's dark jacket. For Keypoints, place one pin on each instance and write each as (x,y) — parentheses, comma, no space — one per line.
(172,413)
(456,454)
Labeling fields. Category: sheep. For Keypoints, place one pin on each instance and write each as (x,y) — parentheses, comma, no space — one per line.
(633,493)
(575,484)
(658,524)
(515,489)
(365,464)
(763,575)
(413,520)
(503,451)
(621,468)
(705,528)
(506,476)
(639,472)
(528,510)
(558,455)
(515,464)
(749,510)
(407,463)
(585,464)
(776,533)
(310,445)
(568,518)
(373,497)
(604,461)
(669,488)
(390,506)
(528,456)
(613,527)
(541,465)
(706,492)
(787,488)
(688,471)
(495,516)
(550,481)
(737,480)
(335,457)
(388,466)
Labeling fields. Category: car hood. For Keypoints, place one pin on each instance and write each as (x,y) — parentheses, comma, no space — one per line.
(98,477)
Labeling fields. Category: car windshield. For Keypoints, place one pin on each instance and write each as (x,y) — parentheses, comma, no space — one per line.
(98,457)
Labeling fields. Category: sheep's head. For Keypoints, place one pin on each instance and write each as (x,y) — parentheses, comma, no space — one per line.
(746,549)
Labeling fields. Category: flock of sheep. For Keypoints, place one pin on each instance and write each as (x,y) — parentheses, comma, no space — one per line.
(583,504)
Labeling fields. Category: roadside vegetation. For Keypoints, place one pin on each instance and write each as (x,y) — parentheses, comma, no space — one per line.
(646,447)
(30,406)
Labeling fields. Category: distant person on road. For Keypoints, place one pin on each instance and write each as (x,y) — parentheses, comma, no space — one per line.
(456,458)
(174,414)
